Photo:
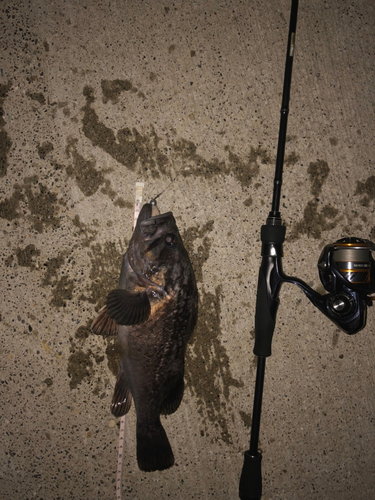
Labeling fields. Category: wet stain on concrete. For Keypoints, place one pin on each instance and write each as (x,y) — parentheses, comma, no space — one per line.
(105,271)
(26,256)
(107,189)
(84,231)
(246,418)
(87,177)
(44,149)
(243,170)
(120,202)
(62,290)
(113,351)
(9,261)
(314,222)
(142,153)
(36,96)
(10,207)
(291,158)
(208,374)
(52,268)
(246,171)
(80,365)
(318,172)
(366,189)
(128,147)
(61,286)
(333,141)
(199,255)
(112,89)
(82,333)
(43,205)
(5,141)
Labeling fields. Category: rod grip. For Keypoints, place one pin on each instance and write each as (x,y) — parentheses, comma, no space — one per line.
(251,477)
(265,317)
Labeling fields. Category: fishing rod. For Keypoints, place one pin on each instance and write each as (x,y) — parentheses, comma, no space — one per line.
(346,270)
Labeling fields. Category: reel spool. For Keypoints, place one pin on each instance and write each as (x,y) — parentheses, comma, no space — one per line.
(348,263)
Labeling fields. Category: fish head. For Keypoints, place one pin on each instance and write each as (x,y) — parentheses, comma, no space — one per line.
(156,244)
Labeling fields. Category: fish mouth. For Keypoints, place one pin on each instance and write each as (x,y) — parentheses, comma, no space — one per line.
(148,222)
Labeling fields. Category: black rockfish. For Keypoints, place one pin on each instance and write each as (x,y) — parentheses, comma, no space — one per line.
(154,310)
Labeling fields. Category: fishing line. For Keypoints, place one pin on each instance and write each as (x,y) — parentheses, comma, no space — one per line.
(153,201)
(139,188)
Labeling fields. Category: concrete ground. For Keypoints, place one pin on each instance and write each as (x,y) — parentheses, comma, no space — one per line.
(96,96)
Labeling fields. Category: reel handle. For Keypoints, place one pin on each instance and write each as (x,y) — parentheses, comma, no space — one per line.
(346,308)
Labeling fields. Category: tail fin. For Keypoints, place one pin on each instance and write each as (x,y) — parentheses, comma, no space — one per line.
(153,449)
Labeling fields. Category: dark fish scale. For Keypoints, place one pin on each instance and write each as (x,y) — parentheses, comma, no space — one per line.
(155,308)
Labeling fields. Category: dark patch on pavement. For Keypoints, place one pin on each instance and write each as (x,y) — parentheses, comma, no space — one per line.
(208,374)
(318,172)
(366,189)
(5,141)
(198,255)
(314,222)
(112,89)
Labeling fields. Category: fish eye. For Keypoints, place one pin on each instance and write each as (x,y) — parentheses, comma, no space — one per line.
(170,239)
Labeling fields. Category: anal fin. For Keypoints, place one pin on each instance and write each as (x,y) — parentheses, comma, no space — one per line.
(174,398)
(122,398)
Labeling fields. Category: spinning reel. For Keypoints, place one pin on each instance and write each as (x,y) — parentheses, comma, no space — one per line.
(346,270)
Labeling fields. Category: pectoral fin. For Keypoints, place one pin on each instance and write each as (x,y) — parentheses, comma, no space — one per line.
(122,398)
(103,324)
(127,308)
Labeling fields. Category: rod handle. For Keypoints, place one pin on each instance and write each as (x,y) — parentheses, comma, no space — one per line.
(251,477)
(265,316)
(269,282)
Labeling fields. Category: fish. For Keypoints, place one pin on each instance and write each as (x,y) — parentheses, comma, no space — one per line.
(153,311)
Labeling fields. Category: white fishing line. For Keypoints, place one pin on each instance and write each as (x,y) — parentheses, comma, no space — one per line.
(139,187)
